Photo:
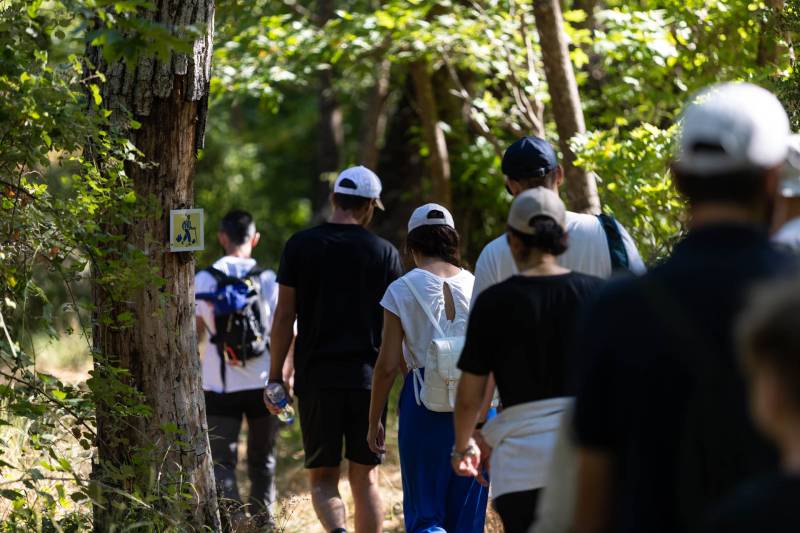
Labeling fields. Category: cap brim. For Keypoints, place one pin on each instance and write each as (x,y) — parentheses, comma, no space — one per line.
(379,204)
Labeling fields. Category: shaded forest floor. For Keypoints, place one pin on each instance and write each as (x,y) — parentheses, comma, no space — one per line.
(69,360)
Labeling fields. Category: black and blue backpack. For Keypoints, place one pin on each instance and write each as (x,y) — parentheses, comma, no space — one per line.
(238,317)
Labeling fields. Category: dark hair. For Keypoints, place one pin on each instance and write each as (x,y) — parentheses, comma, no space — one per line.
(435,241)
(744,188)
(548,180)
(769,334)
(238,225)
(349,202)
(548,237)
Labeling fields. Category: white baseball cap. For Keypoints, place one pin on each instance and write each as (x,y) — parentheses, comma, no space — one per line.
(430,215)
(536,202)
(359,181)
(790,178)
(732,127)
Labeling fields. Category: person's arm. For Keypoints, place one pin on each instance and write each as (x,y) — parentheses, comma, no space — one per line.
(595,489)
(203,310)
(469,398)
(389,363)
(282,335)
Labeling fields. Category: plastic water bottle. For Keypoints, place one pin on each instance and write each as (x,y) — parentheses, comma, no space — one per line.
(276,395)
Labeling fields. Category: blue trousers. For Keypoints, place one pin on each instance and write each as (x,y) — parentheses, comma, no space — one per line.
(435,499)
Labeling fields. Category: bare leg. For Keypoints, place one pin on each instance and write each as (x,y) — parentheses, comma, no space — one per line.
(367,498)
(325,496)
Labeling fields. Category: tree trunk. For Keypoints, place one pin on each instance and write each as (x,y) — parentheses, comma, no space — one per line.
(331,134)
(373,125)
(580,185)
(438,157)
(170,100)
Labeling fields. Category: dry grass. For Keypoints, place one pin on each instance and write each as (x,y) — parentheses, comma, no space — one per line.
(69,360)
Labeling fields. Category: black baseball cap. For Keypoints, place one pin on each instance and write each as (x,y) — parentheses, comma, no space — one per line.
(529,157)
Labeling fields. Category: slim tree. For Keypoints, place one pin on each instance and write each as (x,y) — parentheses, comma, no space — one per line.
(581,186)
(438,156)
(169,98)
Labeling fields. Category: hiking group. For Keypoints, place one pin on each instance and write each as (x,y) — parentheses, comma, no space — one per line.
(665,400)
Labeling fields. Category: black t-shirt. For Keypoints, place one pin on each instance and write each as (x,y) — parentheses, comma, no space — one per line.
(520,330)
(768,505)
(660,389)
(340,273)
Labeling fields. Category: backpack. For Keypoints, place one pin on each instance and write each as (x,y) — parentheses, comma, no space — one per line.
(616,246)
(238,317)
(437,391)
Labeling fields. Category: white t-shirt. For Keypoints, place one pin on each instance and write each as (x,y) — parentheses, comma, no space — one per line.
(789,235)
(418,330)
(256,371)
(587,253)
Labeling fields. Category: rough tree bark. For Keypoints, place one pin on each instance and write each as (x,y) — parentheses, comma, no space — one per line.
(373,124)
(331,134)
(438,156)
(581,186)
(170,100)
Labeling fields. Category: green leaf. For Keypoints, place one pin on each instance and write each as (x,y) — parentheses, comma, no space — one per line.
(95,90)
(10,494)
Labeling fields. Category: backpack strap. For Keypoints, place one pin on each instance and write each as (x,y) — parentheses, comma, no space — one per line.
(219,276)
(419,383)
(616,246)
(425,308)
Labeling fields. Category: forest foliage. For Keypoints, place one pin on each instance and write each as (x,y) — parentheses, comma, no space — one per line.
(64,189)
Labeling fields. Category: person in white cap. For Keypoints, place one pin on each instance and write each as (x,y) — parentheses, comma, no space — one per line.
(661,416)
(520,331)
(428,305)
(787,208)
(331,280)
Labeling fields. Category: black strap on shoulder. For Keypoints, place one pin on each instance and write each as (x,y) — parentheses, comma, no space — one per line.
(218,274)
(616,246)
(254,272)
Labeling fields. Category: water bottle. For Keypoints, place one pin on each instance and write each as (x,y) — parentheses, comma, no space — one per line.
(276,395)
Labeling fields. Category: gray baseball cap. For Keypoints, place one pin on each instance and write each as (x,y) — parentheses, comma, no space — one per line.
(534,203)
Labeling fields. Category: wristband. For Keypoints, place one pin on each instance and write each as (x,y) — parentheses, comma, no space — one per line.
(278,380)
(470,451)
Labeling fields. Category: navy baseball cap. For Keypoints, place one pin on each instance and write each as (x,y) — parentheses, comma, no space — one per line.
(529,157)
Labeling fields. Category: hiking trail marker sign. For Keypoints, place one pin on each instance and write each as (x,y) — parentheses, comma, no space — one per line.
(186,230)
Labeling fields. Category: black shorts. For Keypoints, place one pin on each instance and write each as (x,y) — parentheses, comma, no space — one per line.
(235,404)
(329,417)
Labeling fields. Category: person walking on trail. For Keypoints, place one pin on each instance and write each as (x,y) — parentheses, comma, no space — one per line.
(234,373)
(660,415)
(536,312)
(599,245)
(769,344)
(332,278)
(427,305)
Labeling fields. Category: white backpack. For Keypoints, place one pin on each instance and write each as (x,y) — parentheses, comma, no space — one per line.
(437,391)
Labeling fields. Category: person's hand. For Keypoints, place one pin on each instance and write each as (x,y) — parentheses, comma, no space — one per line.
(466,462)
(485,455)
(376,438)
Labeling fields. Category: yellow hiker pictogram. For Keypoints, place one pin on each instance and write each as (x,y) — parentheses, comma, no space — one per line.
(186,230)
